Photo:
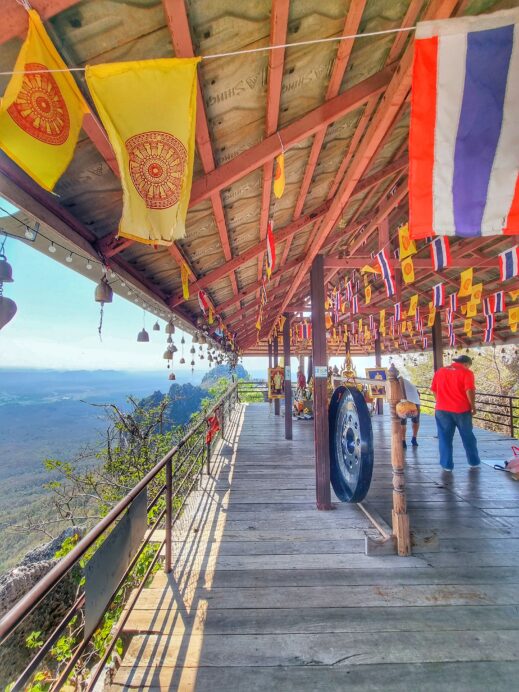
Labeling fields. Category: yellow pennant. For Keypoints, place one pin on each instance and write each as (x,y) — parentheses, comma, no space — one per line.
(184,275)
(407,246)
(279,176)
(514,294)
(472,309)
(466,283)
(464,309)
(413,304)
(360,325)
(210,318)
(513,317)
(367,293)
(403,316)
(476,293)
(407,268)
(42,110)
(367,269)
(467,327)
(382,317)
(148,109)
(432,315)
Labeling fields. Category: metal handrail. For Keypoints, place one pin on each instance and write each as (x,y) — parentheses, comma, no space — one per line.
(26,605)
(504,411)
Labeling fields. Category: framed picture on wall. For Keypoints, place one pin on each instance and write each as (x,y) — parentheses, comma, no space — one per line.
(276,382)
(378,376)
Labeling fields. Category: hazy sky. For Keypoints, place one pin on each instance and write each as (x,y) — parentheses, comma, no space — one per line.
(57,319)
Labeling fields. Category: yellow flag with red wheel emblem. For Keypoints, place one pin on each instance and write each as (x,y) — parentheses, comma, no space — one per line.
(148,109)
(42,110)
(465,283)
(407,247)
(279,176)
(407,268)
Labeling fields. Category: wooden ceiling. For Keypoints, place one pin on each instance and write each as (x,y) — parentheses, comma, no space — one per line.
(340,109)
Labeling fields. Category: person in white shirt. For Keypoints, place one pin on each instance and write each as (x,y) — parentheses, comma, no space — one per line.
(410,393)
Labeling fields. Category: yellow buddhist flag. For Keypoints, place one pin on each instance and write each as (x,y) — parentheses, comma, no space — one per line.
(367,294)
(407,246)
(382,322)
(41,111)
(432,315)
(210,319)
(413,304)
(467,327)
(466,283)
(279,175)
(149,109)
(514,294)
(184,275)
(407,268)
(476,293)
(513,318)
(464,309)
(403,315)
(472,309)
(360,326)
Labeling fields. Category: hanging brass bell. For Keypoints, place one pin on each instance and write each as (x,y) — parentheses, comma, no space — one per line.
(174,349)
(169,339)
(196,339)
(143,336)
(7,310)
(172,376)
(104,292)
(192,350)
(203,339)
(182,361)
(156,327)
(170,328)
(167,355)
(6,271)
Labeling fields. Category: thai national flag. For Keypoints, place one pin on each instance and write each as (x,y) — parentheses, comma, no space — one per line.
(498,302)
(398,311)
(440,253)
(387,272)
(509,263)
(439,295)
(355,305)
(487,307)
(450,316)
(453,302)
(349,292)
(463,149)
(489,329)
(452,336)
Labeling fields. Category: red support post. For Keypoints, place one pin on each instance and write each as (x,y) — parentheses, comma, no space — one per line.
(437,342)
(320,379)
(288,377)
(277,405)
(378,364)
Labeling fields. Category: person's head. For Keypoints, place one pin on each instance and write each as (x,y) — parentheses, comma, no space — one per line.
(463,360)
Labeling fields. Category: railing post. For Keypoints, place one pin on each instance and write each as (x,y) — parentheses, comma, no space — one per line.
(169,513)
(400,518)
(208,461)
(511,402)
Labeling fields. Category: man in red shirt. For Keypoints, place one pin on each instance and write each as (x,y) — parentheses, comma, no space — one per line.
(455,393)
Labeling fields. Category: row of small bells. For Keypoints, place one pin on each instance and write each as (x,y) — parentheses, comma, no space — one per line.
(200,339)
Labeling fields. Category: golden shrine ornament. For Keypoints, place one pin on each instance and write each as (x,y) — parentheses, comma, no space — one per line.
(40,109)
(157,163)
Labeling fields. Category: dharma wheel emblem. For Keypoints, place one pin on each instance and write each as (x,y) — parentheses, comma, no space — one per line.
(39,108)
(157,162)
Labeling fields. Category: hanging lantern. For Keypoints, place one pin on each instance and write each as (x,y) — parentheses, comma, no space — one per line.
(172,376)
(143,336)
(156,327)
(170,328)
(8,307)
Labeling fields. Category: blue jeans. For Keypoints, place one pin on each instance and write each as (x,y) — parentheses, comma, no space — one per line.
(447,422)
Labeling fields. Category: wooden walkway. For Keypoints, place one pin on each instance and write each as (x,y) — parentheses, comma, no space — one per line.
(269,594)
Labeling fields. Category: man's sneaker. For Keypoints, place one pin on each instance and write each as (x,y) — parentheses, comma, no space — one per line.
(404,444)
(414,442)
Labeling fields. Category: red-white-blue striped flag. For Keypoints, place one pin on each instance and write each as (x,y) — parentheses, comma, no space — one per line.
(398,311)
(453,302)
(509,263)
(438,295)
(463,152)
(440,253)
(487,307)
(349,292)
(498,302)
(489,329)
(452,336)
(387,272)
(355,305)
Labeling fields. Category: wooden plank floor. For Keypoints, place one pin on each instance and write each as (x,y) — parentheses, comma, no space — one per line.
(269,594)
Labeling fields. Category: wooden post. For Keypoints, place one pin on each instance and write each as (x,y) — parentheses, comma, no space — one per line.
(270,353)
(277,405)
(310,371)
(378,364)
(288,378)
(400,518)
(437,342)
(320,372)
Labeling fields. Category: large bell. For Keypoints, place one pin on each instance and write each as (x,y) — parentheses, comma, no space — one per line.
(170,328)
(167,355)
(6,271)
(104,292)
(7,310)
(143,336)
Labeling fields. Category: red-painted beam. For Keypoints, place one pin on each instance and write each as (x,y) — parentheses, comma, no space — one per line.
(358,261)
(178,24)
(257,249)
(14,17)
(309,124)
